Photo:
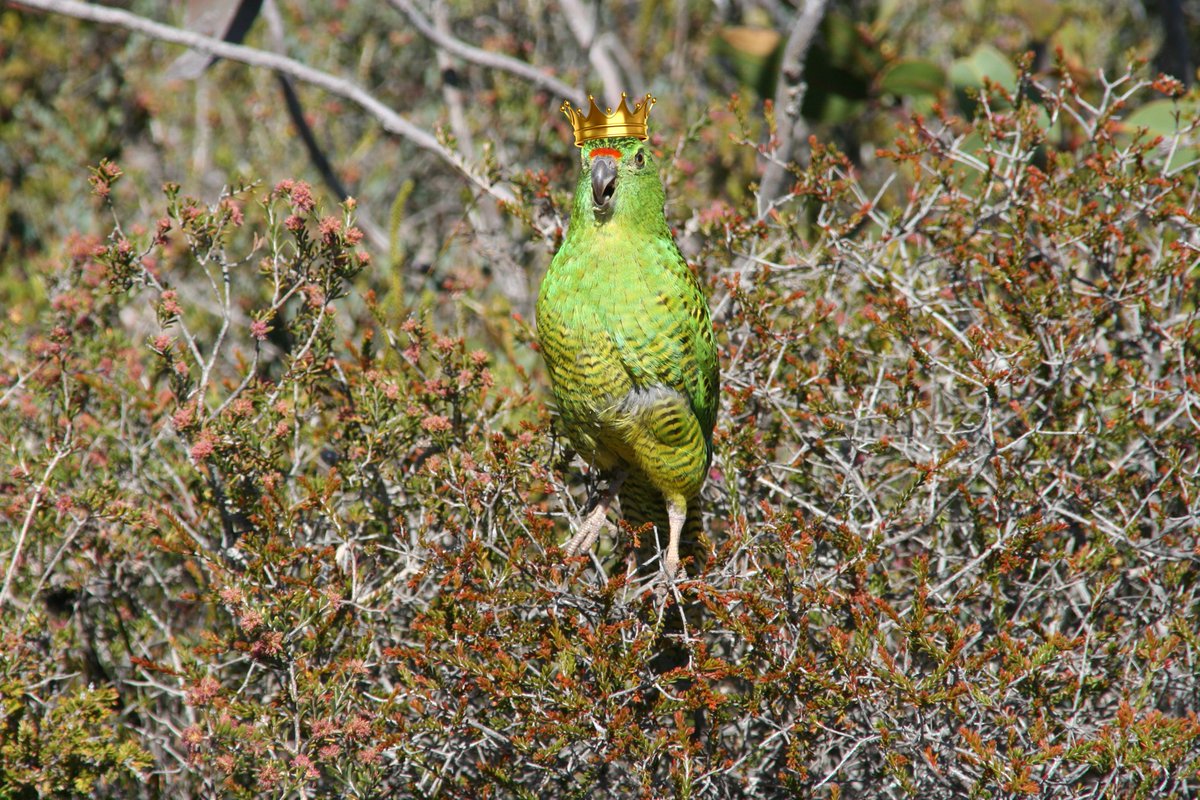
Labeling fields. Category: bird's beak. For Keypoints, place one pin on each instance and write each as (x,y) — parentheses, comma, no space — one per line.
(604,180)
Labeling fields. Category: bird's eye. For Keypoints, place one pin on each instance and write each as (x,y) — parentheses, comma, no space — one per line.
(639,159)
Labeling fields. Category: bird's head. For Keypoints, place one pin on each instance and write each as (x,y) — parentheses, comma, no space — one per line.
(619,182)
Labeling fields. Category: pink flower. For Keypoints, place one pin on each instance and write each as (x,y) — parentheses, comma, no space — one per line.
(269,644)
(203,691)
(160,233)
(436,422)
(169,303)
(235,211)
(357,728)
(205,446)
(322,728)
(183,416)
(250,620)
(193,737)
(330,227)
(314,295)
(302,197)
(268,777)
(259,329)
(301,761)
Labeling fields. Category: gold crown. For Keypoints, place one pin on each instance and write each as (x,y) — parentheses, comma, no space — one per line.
(600,125)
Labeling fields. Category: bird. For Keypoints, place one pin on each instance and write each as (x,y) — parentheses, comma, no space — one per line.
(624,329)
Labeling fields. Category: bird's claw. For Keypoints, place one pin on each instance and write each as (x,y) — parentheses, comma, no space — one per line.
(588,532)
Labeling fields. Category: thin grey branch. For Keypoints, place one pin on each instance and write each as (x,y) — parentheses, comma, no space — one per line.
(485,58)
(582,21)
(789,95)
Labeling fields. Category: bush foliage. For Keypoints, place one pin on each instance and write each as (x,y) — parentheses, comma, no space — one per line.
(280,525)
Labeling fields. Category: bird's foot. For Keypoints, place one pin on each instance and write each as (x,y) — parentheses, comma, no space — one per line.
(676,514)
(593,523)
(588,532)
(671,568)
(666,583)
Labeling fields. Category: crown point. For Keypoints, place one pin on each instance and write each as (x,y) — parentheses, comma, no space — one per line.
(597,124)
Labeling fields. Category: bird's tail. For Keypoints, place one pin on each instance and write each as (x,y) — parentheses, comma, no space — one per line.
(642,503)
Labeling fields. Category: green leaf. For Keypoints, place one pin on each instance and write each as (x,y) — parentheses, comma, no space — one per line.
(962,75)
(752,54)
(912,77)
(841,38)
(1166,118)
(985,62)
(1162,117)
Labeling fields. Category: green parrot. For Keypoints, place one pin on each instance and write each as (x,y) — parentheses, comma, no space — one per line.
(625,332)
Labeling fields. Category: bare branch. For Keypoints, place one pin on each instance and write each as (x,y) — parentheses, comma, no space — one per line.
(789,94)
(389,119)
(34,502)
(484,217)
(582,21)
(228,19)
(451,93)
(485,58)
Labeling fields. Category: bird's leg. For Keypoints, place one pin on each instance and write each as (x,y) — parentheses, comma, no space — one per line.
(589,531)
(676,516)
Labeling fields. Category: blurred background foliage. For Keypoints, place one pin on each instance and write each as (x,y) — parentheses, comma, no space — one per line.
(281,491)
(109,95)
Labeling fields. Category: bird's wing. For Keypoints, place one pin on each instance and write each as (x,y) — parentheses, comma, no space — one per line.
(664,335)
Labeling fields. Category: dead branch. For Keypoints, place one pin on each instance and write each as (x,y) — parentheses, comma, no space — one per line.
(789,95)
(474,55)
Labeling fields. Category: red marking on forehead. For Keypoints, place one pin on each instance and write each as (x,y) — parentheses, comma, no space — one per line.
(604,151)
